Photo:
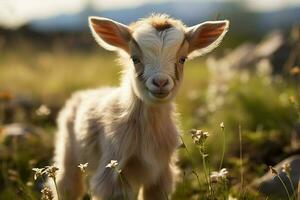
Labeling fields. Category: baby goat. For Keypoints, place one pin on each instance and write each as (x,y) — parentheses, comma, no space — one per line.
(134,123)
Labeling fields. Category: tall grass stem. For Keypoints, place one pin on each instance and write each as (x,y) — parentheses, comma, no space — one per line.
(56,188)
(285,188)
(223,149)
(241,160)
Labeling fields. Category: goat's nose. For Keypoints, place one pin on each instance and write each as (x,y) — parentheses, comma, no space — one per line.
(160,82)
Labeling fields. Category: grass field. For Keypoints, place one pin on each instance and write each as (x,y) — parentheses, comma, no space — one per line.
(264,107)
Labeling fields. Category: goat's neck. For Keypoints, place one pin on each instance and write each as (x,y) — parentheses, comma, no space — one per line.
(156,123)
(134,107)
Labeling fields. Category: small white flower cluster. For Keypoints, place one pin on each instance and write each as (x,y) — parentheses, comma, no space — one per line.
(286,168)
(113,164)
(50,171)
(222,125)
(220,175)
(43,110)
(199,136)
(47,194)
(83,167)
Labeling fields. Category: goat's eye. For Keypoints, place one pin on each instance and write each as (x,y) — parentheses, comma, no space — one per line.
(182,60)
(135,60)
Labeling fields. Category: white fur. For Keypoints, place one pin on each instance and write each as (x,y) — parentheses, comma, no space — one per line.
(159,49)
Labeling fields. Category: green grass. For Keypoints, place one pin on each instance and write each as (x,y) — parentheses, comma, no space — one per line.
(48,76)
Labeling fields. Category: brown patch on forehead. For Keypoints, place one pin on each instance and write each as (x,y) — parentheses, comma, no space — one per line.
(160,22)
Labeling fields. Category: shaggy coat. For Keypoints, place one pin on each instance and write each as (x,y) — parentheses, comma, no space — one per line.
(135,123)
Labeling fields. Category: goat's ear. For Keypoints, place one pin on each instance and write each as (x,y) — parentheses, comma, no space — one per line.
(110,34)
(204,37)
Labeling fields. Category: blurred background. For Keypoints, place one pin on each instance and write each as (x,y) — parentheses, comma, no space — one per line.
(251,83)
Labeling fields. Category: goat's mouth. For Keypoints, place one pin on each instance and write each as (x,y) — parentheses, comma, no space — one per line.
(159,94)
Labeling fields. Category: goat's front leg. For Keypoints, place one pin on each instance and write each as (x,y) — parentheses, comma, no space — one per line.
(162,187)
(109,184)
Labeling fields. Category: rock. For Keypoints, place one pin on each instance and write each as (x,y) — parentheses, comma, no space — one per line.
(271,186)
(274,54)
(238,58)
(24,140)
(281,51)
(18,131)
(15,108)
(269,45)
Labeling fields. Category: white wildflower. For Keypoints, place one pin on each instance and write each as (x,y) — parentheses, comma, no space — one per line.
(51,171)
(113,165)
(286,168)
(220,175)
(83,167)
(232,198)
(43,110)
(222,125)
(38,172)
(199,136)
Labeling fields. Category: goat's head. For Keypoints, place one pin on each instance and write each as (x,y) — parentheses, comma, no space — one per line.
(158,47)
